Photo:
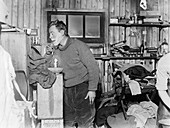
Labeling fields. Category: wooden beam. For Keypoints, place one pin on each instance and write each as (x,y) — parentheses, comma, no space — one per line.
(20,13)
(32,13)
(75,10)
(15,13)
(26,13)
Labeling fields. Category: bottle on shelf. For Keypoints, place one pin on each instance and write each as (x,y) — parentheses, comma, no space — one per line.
(104,49)
(142,48)
(164,47)
(135,18)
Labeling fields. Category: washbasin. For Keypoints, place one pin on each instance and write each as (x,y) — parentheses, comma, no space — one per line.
(56,70)
(165,122)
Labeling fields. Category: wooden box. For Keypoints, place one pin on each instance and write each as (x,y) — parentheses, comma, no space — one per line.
(50,101)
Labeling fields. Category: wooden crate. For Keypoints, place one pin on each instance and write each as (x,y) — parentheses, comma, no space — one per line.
(50,101)
(15,43)
(52,123)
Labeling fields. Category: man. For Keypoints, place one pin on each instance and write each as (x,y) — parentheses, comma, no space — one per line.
(81,76)
(163,87)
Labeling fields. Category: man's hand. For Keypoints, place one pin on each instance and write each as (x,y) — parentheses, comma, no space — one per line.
(49,49)
(91,95)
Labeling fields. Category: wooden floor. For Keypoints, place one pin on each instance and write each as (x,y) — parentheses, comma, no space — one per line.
(118,121)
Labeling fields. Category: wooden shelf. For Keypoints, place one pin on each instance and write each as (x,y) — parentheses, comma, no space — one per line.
(140,25)
(125,25)
(49,9)
(123,58)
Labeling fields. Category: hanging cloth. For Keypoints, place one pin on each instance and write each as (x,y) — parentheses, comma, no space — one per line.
(10,112)
(8,108)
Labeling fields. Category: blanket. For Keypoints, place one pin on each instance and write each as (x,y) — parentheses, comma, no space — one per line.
(38,69)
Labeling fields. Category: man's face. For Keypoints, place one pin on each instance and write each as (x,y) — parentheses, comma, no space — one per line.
(55,35)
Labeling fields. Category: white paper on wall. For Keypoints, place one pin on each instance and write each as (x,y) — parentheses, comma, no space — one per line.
(143,4)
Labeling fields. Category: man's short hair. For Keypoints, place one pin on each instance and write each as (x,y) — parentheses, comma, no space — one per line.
(60,25)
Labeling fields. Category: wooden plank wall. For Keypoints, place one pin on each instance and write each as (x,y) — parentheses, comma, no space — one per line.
(28,14)
(32,14)
(127,8)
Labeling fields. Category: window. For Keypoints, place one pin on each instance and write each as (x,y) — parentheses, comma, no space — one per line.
(75,26)
(86,26)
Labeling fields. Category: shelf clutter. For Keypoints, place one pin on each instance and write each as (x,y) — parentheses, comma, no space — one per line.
(141,18)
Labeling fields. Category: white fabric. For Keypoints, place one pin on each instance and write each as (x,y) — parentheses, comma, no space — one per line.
(9,111)
(163,72)
(150,107)
(142,112)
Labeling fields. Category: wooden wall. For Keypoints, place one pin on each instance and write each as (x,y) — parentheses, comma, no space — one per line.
(127,8)
(28,14)
(33,13)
